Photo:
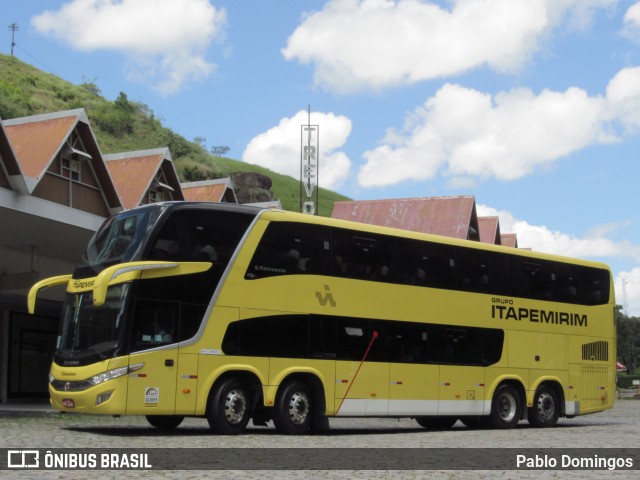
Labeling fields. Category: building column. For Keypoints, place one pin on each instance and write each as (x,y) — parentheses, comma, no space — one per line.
(4,354)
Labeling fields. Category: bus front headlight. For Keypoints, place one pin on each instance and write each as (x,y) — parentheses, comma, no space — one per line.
(115,373)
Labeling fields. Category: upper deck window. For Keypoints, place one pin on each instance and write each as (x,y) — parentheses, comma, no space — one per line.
(118,239)
(290,248)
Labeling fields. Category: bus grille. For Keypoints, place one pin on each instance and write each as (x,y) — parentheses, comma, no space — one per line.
(71,386)
(595,351)
(594,386)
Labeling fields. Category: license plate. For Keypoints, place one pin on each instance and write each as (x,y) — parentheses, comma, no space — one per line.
(68,403)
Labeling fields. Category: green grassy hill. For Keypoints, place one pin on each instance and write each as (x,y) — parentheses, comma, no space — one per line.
(123,125)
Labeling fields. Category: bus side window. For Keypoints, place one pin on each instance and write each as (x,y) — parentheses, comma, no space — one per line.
(352,338)
(230,342)
(400,342)
(363,256)
(426,264)
(291,248)
(533,279)
(492,346)
(482,271)
(322,336)
(155,323)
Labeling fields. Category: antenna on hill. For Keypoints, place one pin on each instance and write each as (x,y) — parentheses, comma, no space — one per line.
(13,27)
(625,306)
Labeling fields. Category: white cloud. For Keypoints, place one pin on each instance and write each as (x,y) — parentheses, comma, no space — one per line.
(474,134)
(627,285)
(373,44)
(598,245)
(279,147)
(631,28)
(623,96)
(164,40)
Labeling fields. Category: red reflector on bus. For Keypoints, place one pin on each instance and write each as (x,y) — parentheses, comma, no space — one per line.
(68,403)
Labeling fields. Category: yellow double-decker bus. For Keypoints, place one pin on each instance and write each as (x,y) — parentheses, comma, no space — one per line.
(235,313)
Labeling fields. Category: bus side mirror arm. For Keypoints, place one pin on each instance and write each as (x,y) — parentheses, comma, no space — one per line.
(144,270)
(41,285)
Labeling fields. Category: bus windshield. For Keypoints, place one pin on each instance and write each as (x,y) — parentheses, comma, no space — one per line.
(91,333)
(129,318)
(119,238)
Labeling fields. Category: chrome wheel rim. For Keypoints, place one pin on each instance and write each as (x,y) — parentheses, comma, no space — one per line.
(298,408)
(546,406)
(235,406)
(507,407)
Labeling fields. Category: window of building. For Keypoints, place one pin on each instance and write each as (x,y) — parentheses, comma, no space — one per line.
(70,169)
(156,196)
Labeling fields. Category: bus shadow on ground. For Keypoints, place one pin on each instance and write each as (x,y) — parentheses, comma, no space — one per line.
(192,430)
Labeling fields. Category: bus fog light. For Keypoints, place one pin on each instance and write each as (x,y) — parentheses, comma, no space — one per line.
(103,397)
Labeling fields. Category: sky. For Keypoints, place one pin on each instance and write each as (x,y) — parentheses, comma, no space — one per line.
(531,106)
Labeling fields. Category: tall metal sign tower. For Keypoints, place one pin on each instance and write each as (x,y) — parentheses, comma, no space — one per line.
(13,27)
(309,167)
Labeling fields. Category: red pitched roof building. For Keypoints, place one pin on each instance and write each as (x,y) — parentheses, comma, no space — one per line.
(448,216)
(144,176)
(218,190)
(57,159)
(490,230)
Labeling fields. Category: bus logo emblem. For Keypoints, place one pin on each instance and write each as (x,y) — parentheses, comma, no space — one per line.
(327,297)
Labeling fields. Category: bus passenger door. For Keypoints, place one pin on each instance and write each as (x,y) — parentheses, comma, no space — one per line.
(152,387)
(413,382)
(362,387)
(462,381)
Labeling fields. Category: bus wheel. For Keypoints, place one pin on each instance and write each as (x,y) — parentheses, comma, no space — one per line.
(164,422)
(229,407)
(293,409)
(505,408)
(545,411)
(436,423)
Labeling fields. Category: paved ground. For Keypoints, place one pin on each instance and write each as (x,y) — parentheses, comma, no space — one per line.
(617,428)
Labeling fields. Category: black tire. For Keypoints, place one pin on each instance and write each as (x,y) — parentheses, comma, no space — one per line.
(293,410)
(474,422)
(164,422)
(436,423)
(546,409)
(506,408)
(229,408)
(320,424)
